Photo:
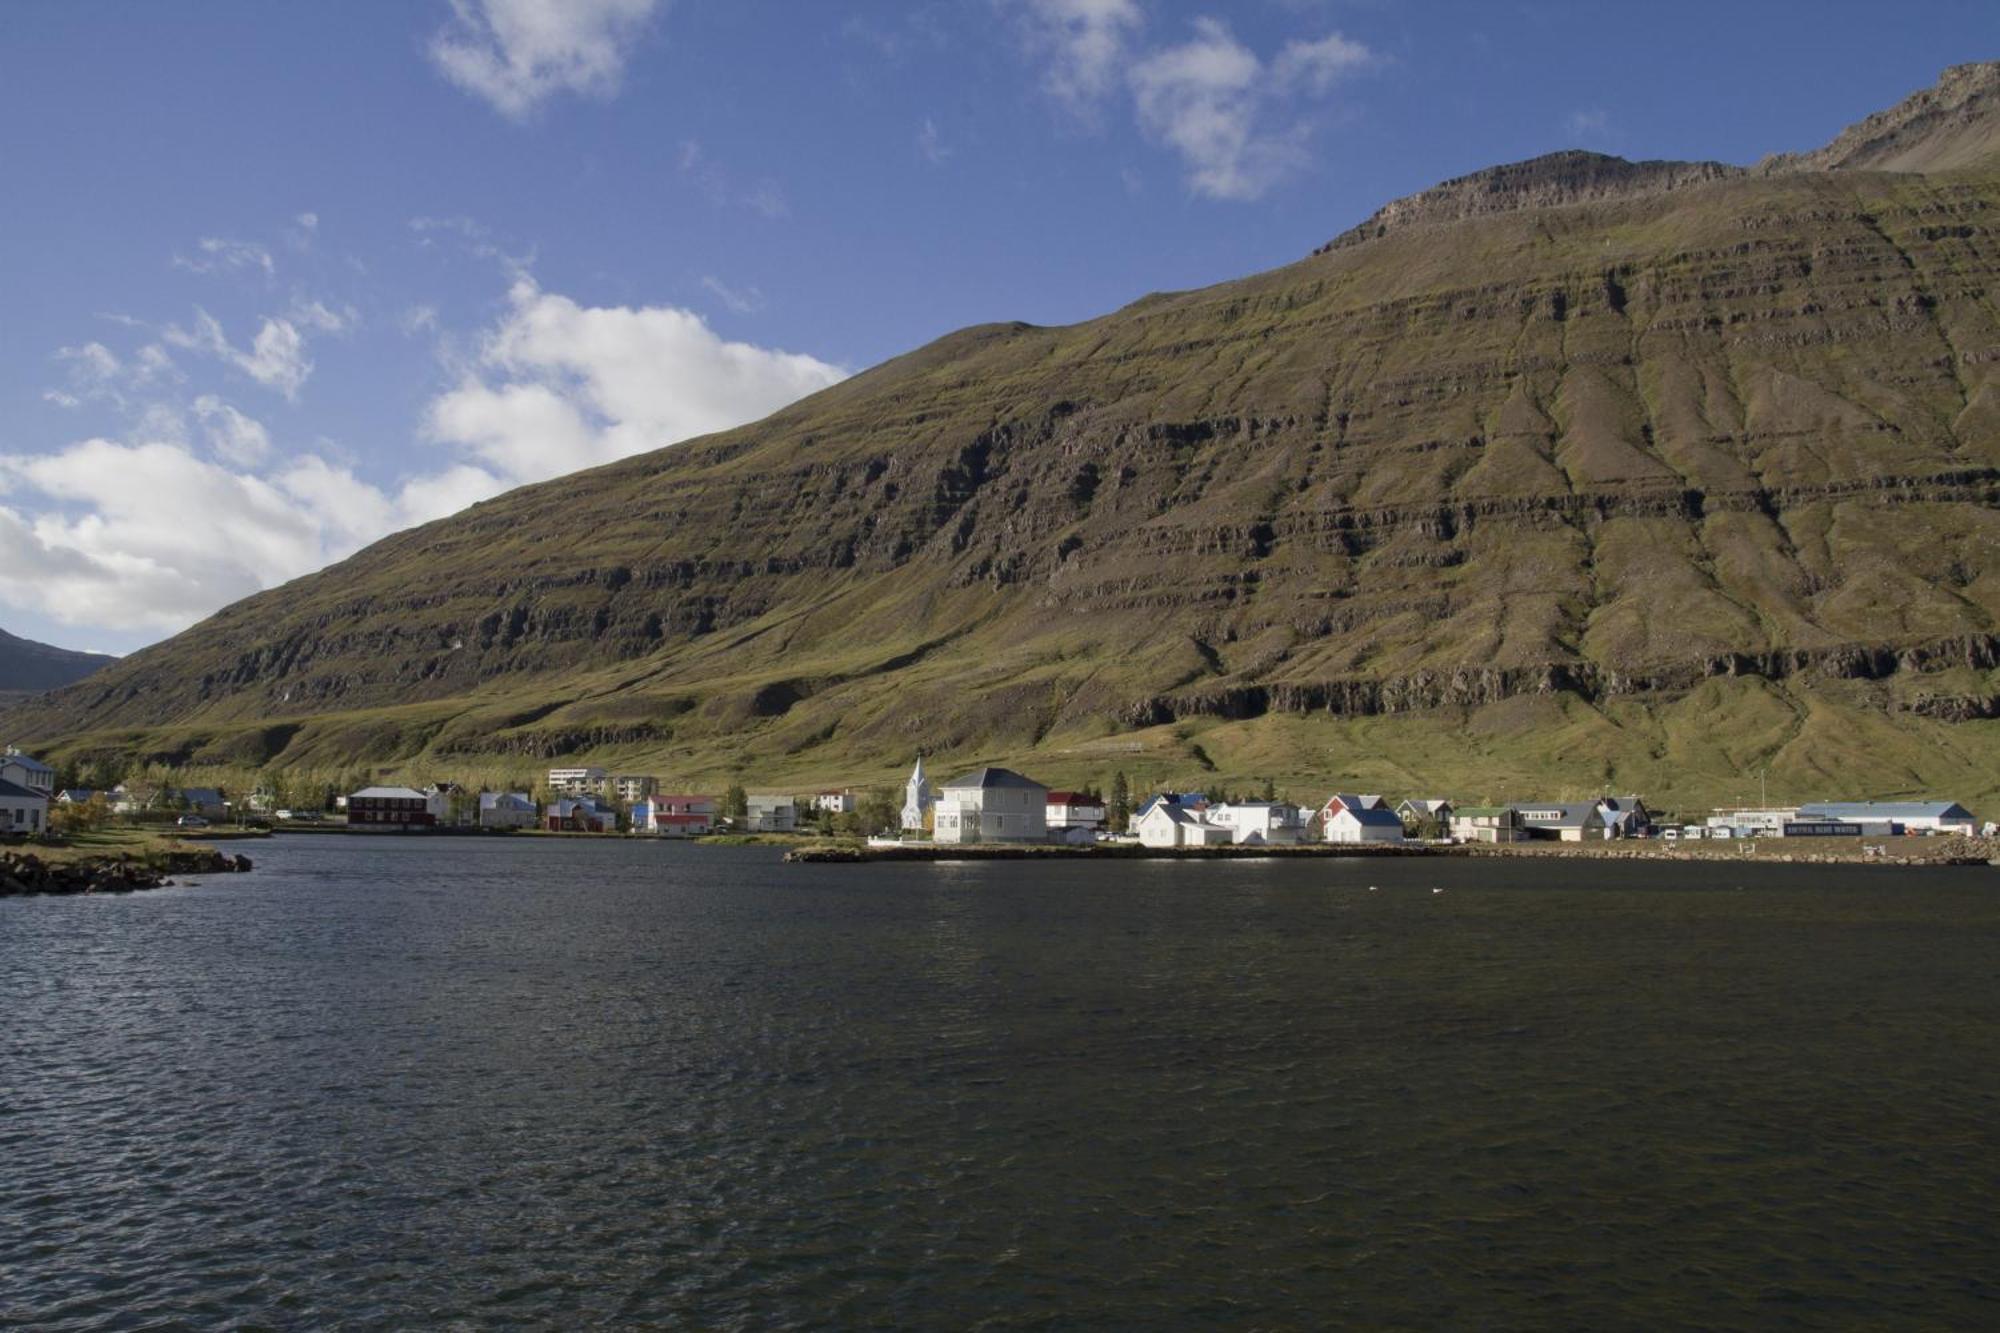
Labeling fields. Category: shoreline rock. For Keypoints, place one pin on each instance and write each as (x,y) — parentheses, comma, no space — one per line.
(24,874)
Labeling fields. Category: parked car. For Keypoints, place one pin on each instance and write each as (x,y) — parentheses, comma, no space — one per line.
(281,814)
(191,821)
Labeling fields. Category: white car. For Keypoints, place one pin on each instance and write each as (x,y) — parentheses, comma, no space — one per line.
(191,821)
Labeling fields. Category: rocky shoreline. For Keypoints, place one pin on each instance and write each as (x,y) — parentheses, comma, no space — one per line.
(26,874)
(1924,852)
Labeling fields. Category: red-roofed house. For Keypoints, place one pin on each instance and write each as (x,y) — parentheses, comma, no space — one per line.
(1074,810)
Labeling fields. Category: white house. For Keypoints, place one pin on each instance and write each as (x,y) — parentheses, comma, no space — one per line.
(1351,818)
(674,816)
(1764,821)
(916,799)
(507,809)
(577,781)
(24,770)
(1070,811)
(23,810)
(993,805)
(630,787)
(771,814)
(1485,823)
(127,800)
(1166,824)
(835,802)
(1260,823)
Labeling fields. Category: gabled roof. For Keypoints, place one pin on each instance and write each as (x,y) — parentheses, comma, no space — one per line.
(990,779)
(1887,809)
(202,795)
(1562,814)
(1074,798)
(1371,816)
(27,761)
(1427,805)
(18,792)
(1173,812)
(373,793)
(492,800)
(1482,811)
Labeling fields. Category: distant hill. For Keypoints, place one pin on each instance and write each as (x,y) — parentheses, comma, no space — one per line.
(27,667)
(1573,475)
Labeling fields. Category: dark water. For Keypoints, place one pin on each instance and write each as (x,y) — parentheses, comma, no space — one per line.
(559,1084)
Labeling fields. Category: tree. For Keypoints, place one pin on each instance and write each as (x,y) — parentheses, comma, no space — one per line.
(736,802)
(1120,812)
(1270,790)
(878,810)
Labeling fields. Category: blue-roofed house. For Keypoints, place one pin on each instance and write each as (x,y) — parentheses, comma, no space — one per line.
(1188,800)
(23,811)
(24,770)
(1166,824)
(1348,817)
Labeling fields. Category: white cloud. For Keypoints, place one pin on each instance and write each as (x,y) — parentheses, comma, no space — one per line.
(1313,67)
(151,536)
(233,437)
(1209,100)
(561,386)
(931,145)
(1086,44)
(276,357)
(219,254)
(95,373)
(91,364)
(1588,124)
(518,53)
(768,197)
(418,319)
(747,301)
(197,506)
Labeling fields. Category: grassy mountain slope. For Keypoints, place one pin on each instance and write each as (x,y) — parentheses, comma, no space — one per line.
(27,667)
(1648,487)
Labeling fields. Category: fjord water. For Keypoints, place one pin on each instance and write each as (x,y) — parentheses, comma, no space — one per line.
(403,1082)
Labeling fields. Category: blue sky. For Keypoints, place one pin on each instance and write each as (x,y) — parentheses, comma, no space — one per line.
(282,278)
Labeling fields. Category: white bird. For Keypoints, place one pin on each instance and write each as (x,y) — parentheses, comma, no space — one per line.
(1437,890)
(1371,888)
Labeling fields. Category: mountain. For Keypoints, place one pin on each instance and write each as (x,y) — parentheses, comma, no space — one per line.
(27,667)
(1568,475)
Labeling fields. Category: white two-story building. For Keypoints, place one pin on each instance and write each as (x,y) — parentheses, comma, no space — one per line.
(992,805)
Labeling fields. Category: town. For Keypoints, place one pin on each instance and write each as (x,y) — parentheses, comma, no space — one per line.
(986,806)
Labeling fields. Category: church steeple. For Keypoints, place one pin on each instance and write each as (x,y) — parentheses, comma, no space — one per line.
(916,799)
